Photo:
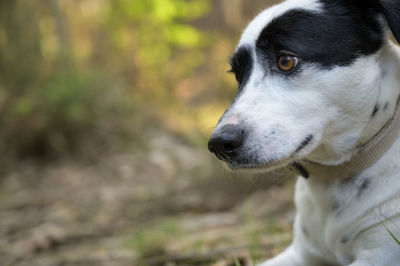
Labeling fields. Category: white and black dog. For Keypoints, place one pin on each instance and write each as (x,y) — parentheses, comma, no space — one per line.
(319,83)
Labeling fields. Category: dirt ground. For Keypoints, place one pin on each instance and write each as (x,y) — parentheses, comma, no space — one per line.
(169,205)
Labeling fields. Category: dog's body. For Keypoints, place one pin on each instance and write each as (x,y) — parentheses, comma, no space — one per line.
(342,222)
(317,80)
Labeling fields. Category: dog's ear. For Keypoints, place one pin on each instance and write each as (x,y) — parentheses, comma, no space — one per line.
(391,10)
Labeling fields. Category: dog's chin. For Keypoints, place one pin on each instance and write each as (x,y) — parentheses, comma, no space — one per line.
(259,167)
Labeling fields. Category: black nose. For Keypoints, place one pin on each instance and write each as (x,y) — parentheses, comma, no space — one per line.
(226,142)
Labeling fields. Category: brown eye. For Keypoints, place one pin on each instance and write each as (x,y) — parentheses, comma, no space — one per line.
(287,62)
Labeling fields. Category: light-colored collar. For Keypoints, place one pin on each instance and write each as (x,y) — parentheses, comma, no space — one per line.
(366,155)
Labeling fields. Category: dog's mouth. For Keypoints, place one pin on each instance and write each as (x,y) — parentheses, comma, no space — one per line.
(243,161)
(264,166)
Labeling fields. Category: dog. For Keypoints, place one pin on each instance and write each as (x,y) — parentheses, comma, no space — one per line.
(318,89)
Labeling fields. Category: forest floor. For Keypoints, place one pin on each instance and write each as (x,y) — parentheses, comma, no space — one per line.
(170,205)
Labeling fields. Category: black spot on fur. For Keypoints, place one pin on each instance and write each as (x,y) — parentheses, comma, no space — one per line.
(242,65)
(385,107)
(363,187)
(335,205)
(300,169)
(335,37)
(345,239)
(305,142)
(375,111)
(304,230)
(339,212)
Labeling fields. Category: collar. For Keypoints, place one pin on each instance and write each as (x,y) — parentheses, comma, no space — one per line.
(365,157)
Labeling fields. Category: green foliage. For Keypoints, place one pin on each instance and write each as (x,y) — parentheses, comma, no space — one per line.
(67,67)
(152,239)
(236,261)
(161,29)
(163,10)
(72,96)
(57,116)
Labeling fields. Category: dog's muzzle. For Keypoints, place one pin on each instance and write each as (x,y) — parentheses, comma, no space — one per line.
(226,142)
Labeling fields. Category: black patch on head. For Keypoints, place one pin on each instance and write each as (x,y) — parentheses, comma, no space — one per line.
(305,142)
(375,111)
(334,37)
(242,65)
(391,10)
(300,169)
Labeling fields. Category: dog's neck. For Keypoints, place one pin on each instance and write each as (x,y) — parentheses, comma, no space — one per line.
(388,87)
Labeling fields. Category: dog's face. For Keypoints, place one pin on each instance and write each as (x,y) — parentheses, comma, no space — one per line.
(307,72)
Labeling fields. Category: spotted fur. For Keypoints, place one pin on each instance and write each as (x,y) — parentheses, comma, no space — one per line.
(342,91)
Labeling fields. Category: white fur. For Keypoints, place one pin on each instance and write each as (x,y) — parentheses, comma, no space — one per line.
(337,112)
(253,30)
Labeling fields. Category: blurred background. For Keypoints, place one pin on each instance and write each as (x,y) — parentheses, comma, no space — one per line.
(105,111)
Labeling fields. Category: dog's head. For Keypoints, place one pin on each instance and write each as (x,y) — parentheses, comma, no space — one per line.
(308,72)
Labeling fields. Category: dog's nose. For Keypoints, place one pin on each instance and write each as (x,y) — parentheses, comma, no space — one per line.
(226,142)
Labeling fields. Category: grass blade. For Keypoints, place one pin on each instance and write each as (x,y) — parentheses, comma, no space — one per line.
(391,234)
(237,262)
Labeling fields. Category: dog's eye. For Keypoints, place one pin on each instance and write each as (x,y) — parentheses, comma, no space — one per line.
(287,62)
